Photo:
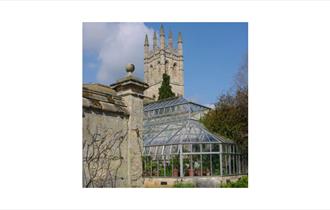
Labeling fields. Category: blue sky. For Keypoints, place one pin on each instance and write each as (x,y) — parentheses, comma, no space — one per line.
(212,53)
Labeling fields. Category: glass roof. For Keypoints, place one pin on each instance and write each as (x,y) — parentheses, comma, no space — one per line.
(181,103)
(172,122)
(179,132)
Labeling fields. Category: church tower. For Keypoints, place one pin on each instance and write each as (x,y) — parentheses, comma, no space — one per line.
(160,59)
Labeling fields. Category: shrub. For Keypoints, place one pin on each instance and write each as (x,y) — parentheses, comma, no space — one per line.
(184,185)
(240,183)
(165,91)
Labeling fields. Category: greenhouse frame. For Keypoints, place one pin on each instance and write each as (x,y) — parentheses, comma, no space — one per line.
(176,144)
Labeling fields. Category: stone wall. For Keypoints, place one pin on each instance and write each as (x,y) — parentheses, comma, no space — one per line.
(105,138)
(135,141)
(112,134)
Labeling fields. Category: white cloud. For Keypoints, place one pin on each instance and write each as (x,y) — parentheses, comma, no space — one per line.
(212,106)
(116,44)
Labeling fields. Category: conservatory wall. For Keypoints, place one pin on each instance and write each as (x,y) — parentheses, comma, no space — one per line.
(208,159)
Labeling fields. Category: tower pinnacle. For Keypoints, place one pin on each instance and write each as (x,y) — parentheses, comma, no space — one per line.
(146,46)
(162,37)
(162,30)
(180,38)
(180,50)
(170,40)
(155,41)
(146,41)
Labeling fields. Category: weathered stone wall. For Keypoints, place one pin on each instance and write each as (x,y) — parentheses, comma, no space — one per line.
(112,134)
(105,139)
(135,141)
(131,89)
(152,91)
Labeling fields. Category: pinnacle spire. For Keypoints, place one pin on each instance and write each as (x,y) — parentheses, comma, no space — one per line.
(155,35)
(180,38)
(162,30)
(155,40)
(170,39)
(146,41)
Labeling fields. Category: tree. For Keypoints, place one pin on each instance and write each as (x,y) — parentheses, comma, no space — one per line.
(230,116)
(165,91)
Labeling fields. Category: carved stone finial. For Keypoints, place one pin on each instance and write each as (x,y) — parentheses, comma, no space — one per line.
(130,69)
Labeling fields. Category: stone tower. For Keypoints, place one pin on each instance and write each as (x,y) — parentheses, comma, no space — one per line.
(163,58)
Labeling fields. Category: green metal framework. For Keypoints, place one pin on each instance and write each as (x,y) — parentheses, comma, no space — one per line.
(177,144)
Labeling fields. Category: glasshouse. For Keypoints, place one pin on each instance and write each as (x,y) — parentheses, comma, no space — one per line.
(176,144)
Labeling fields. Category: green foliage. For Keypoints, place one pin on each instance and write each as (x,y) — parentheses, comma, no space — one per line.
(176,161)
(165,91)
(240,183)
(230,116)
(168,170)
(184,185)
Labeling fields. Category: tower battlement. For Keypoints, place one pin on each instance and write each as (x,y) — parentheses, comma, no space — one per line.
(160,59)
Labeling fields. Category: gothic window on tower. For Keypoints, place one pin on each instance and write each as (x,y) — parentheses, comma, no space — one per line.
(166,66)
(158,65)
(175,70)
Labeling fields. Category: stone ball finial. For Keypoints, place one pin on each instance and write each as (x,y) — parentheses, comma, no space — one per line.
(130,68)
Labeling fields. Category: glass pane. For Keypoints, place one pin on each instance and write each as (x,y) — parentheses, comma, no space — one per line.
(215,147)
(160,150)
(187,170)
(196,148)
(225,166)
(196,162)
(172,108)
(168,168)
(186,148)
(146,150)
(154,168)
(152,150)
(235,165)
(206,147)
(146,166)
(174,149)
(224,148)
(167,150)
(206,165)
(215,165)
(176,165)
(162,166)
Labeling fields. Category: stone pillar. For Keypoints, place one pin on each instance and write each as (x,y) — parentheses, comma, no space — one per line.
(180,66)
(162,37)
(155,41)
(162,51)
(170,40)
(131,90)
(146,53)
